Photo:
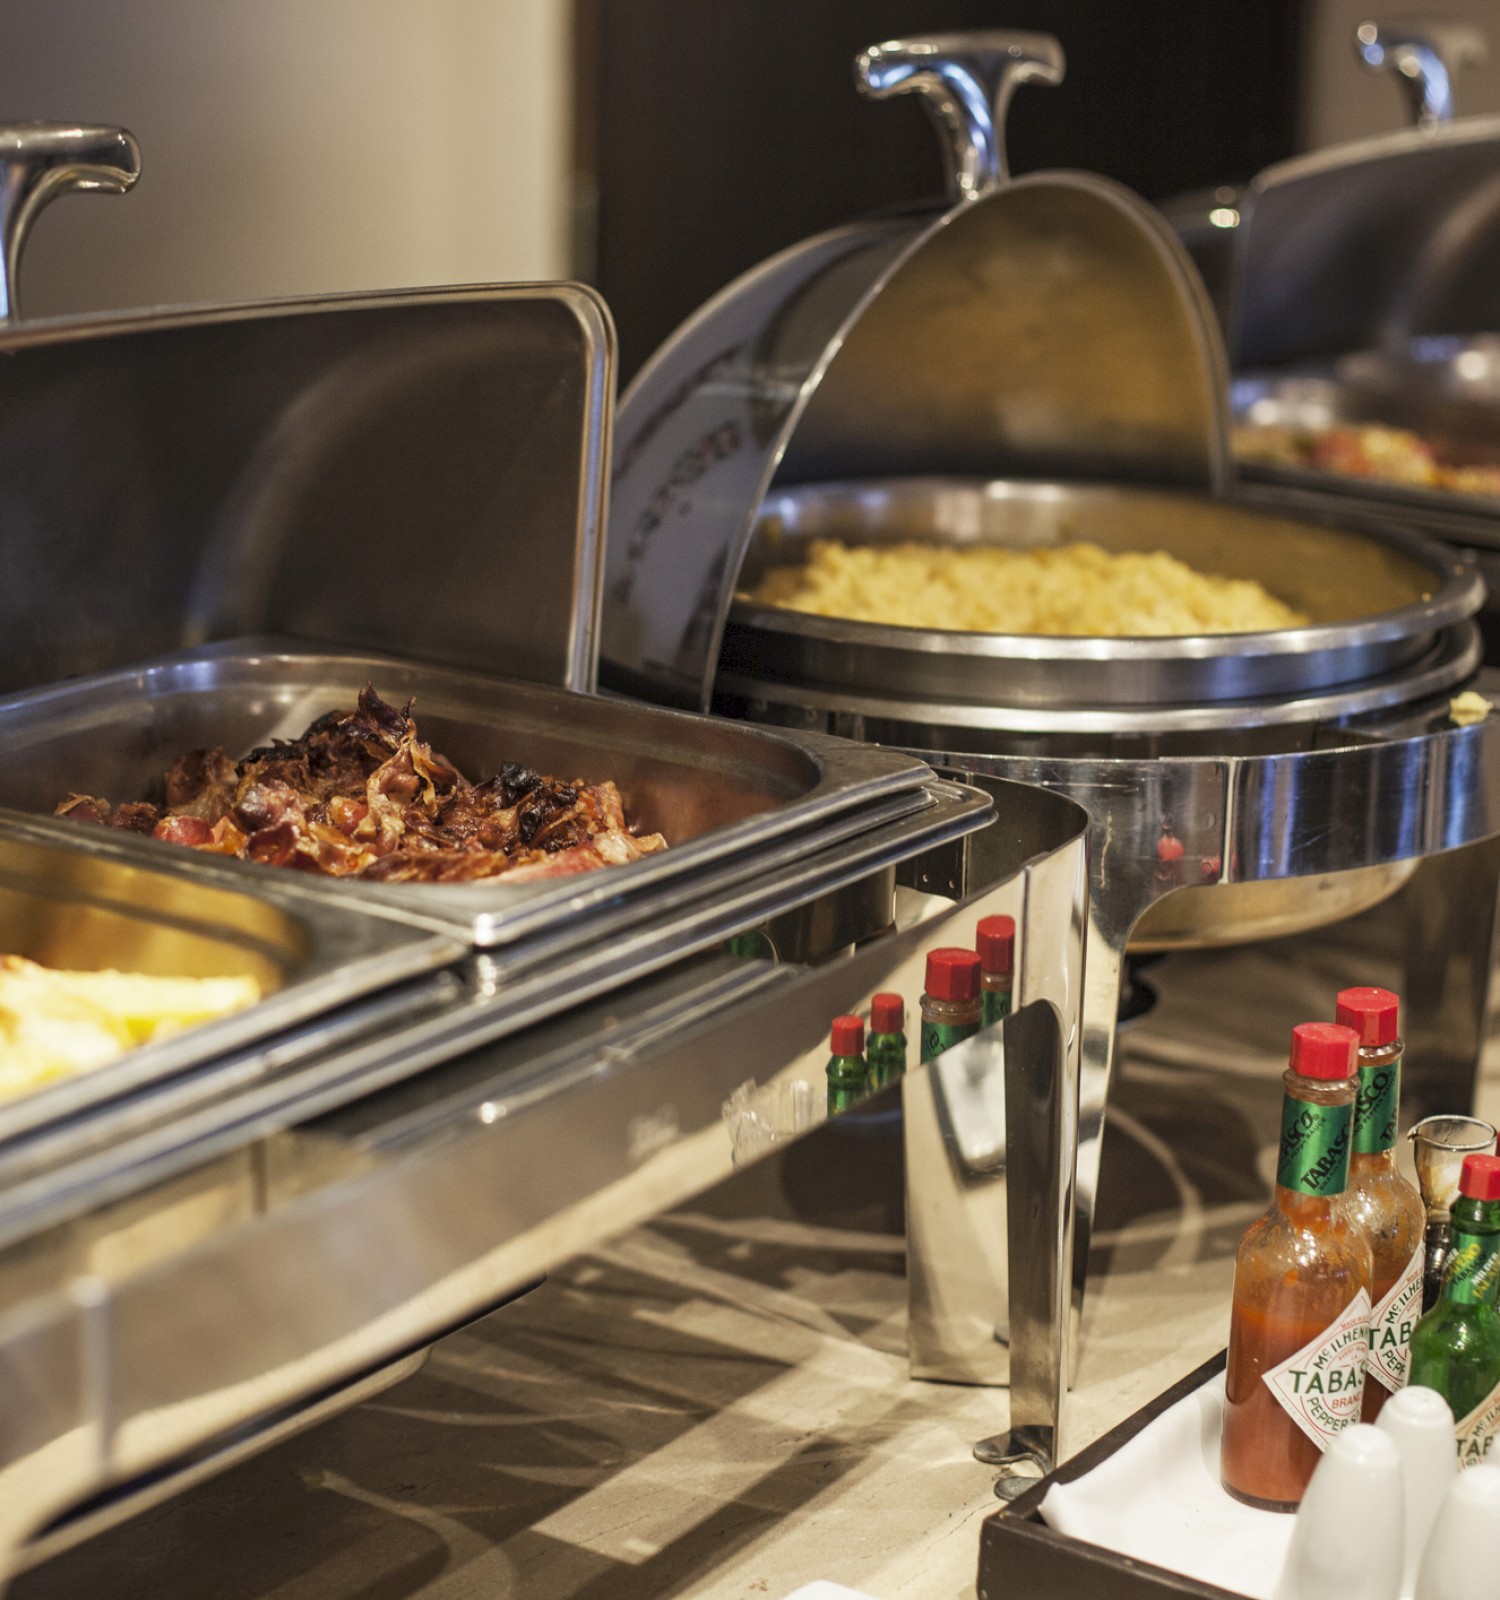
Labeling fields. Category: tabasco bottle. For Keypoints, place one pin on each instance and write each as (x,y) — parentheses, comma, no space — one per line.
(848,1076)
(886,1051)
(1384,1204)
(1299,1331)
(1455,1348)
(951,1006)
(996,940)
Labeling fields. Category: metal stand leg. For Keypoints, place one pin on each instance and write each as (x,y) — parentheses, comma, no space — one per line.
(1103,965)
(1450,911)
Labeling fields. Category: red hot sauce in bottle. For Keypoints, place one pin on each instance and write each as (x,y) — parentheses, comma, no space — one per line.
(1300,1326)
(1379,1199)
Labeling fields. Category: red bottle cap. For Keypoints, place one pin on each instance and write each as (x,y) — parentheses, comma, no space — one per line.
(1372,1013)
(952,974)
(847,1036)
(1323,1050)
(996,938)
(1480,1178)
(887,1013)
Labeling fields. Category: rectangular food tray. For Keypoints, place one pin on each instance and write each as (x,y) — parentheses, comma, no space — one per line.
(67,905)
(725,795)
(168,1127)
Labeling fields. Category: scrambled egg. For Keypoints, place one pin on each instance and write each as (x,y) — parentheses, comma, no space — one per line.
(54,1024)
(1071,589)
(1469,707)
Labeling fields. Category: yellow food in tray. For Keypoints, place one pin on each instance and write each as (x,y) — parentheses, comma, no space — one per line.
(55,1023)
(1072,589)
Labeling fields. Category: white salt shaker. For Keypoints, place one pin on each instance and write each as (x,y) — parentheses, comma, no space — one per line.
(1351,1525)
(1421,1423)
(1462,1558)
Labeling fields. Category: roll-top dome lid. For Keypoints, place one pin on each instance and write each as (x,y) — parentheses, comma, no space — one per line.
(1046,326)
(1370,245)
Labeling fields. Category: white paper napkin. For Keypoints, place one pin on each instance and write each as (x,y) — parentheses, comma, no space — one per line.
(1159,1499)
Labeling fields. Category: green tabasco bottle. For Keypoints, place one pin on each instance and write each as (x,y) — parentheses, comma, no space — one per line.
(848,1076)
(951,1007)
(1384,1204)
(1455,1348)
(886,1051)
(996,939)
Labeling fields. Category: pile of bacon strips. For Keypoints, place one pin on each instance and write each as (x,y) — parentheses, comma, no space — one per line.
(360,795)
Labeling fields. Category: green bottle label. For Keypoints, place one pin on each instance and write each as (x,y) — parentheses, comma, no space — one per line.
(996,1006)
(940,1036)
(1375,1102)
(886,1053)
(1471,1274)
(1314,1157)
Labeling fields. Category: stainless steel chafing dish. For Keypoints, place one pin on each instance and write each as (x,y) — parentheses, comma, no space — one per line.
(1031,360)
(1363,293)
(220,522)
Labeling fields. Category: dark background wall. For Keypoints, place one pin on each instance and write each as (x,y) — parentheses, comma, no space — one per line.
(714,132)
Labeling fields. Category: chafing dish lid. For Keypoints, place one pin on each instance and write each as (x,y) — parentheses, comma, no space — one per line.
(1370,244)
(1044,326)
(417,472)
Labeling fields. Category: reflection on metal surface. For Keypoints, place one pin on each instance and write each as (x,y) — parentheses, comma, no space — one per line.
(1268,908)
(965,81)
(1367,798)
(375,1226)
(289,467)
(40,161)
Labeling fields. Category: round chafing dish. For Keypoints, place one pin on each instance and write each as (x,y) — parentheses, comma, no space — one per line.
(1385,612)
(1036,355)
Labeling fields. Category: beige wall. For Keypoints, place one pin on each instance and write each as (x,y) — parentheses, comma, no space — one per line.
(1343,100)
(298,146)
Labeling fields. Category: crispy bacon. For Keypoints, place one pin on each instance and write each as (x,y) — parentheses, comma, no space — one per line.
(360,795)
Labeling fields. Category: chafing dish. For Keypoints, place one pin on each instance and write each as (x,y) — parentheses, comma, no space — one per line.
(1379,603)
(985,370)
(1421,56)
(728,799)
(221,521)
(365,1232)
(1364,293)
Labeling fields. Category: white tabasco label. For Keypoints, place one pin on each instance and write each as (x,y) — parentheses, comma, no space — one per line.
(1322,1385)
(1391,1323)
(1476,1432)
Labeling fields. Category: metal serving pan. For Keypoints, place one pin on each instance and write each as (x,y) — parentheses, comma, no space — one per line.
(66,905)
(166,1129)
(1446,390)
(722,794)
(1379,599)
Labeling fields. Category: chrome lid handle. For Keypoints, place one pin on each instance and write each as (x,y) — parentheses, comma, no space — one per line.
(41,160)
(1423,57)
(966,81)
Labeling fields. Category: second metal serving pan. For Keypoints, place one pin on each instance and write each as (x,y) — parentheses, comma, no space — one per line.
(66,905)
(731,800)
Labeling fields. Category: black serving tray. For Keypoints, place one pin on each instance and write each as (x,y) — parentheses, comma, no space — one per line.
(1019,1555)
